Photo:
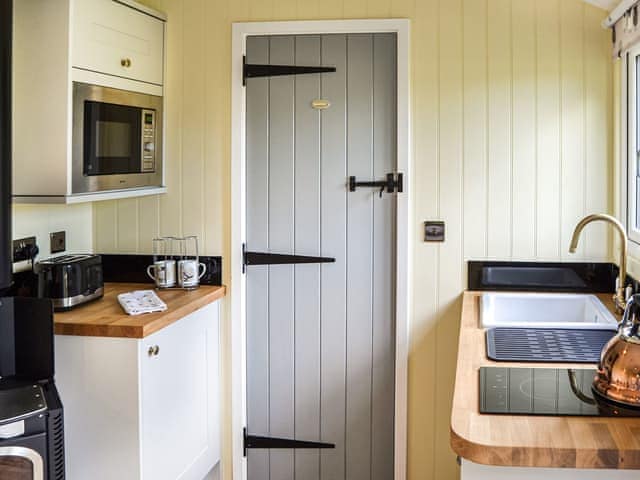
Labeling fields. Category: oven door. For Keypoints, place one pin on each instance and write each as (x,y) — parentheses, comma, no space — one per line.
(117,139)
(21,463)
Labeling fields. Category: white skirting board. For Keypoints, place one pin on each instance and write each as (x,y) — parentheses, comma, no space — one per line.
(475,471)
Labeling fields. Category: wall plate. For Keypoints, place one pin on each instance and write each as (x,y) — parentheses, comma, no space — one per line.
(58,241)
(434,231)
(24,249)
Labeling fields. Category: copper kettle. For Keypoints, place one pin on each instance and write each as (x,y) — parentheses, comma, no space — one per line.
(618,376)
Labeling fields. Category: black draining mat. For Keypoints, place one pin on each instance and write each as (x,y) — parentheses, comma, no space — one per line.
(546,344)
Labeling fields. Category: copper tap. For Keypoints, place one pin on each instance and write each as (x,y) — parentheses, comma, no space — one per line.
(620,297)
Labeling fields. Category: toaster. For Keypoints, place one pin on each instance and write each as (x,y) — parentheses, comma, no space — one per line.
(70,280)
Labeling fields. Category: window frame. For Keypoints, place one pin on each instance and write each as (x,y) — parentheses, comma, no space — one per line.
(630,142)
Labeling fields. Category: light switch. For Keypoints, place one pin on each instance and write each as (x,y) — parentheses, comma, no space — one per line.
(434,231)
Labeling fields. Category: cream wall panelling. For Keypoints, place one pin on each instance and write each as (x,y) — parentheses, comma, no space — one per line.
(443,73)
(43,80)
(403,240)
(40,220)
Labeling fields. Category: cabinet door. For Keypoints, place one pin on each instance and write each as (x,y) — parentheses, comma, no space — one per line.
(179,401)
(116,39)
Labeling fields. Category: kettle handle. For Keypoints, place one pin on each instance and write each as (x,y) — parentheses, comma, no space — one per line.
(634,299)
(631,316)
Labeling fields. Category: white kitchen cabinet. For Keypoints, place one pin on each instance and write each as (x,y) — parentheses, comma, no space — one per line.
(138,409)
(177,395)
(86,41)
(475,471)
(115,39)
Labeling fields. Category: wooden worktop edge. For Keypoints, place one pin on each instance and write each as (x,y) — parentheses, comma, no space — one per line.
(119,325)
(525,456)
(503,440)
(183,311)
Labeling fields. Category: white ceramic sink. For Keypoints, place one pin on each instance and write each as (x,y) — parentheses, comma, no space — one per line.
(545,310)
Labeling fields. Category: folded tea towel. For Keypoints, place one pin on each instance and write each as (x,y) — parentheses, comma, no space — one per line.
(141,301)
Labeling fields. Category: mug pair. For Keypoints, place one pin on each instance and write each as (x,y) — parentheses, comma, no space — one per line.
(189,272)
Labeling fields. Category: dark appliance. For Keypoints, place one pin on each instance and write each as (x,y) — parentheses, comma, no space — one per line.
(70,280)
(6,15)
(117,139)
(31,415)
(562,345)
(545,391)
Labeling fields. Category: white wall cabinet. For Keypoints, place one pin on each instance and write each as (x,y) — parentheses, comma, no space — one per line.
(142,409)
(118,44)
(475,471)
(118,40)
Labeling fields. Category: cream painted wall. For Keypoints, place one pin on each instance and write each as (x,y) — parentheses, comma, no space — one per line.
(40,220)
(512,145)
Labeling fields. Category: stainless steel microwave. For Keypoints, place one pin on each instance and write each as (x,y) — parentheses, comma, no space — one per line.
(117,139)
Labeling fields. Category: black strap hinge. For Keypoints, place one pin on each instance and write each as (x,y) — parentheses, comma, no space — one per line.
(251,70)
(265,258)
(255,441)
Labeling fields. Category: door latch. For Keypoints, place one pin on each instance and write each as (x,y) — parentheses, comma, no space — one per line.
(390,184)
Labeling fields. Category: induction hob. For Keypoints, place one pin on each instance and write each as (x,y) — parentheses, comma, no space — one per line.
(545,391)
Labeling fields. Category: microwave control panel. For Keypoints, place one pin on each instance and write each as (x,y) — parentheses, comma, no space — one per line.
(148,141)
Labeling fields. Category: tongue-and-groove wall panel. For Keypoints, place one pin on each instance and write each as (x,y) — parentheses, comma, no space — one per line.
(487,76)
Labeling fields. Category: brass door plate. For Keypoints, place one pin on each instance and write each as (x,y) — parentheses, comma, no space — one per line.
(320,104)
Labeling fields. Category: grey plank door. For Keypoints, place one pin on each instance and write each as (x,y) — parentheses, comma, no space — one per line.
(320,337)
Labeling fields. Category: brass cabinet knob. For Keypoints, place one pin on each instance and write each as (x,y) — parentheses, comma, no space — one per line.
(153,351)
(125,62)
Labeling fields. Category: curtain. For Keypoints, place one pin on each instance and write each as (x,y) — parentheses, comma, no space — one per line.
(626,31)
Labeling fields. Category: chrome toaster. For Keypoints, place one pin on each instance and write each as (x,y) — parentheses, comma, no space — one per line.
(70,280)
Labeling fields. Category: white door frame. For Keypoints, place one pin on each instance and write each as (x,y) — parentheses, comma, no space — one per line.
(238,215)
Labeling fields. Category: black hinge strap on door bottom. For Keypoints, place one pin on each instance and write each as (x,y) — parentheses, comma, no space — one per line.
(255,441)
(390,184)
(251,70)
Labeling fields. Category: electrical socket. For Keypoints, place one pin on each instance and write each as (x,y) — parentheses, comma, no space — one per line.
(58,241)
(23,249)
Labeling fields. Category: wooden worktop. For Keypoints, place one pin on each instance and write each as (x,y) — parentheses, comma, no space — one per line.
(106,318)
(530,441)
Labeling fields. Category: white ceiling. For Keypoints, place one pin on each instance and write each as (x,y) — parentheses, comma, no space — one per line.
(607,5)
